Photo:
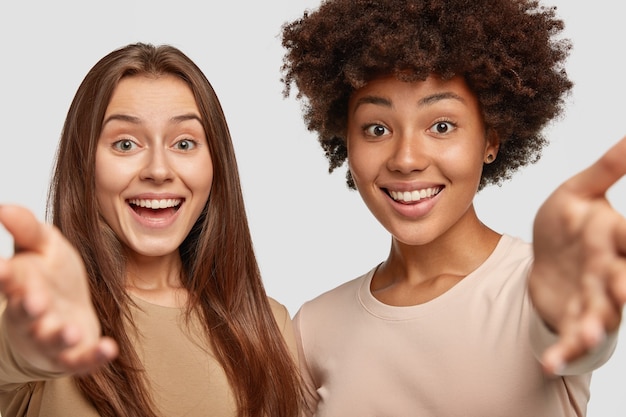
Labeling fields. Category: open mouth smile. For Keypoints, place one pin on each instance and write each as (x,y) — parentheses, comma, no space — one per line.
(155,208)
(156,204)
(414,195)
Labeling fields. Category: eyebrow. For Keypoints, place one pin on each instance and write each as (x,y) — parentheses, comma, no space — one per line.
(424,101)
(380,101)
(448,95)
(137,120)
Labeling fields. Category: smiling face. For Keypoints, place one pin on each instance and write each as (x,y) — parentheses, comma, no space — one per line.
(153,166)
(416,152)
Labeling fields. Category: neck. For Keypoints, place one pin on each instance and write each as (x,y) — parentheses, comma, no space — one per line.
(415,274)
(156,279)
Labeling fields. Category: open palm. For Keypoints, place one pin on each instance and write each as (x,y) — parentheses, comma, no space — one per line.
(578,280)
(48,318)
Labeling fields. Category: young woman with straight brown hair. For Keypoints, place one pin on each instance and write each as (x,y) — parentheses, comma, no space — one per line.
(146,189)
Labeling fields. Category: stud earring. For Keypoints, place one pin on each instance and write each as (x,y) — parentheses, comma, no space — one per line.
(489,159)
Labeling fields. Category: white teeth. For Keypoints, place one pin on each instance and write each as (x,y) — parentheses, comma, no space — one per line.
(156,204)
(415,195)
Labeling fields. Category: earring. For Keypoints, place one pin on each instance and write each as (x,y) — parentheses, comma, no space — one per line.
(489,159)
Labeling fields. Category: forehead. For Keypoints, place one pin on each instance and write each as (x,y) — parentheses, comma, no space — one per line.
(390,92)
(146,92)
(390,85)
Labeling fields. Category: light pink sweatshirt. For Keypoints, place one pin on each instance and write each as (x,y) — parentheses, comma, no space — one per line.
(471,352)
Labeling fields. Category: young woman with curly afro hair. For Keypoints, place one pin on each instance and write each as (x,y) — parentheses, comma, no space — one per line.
(429,101)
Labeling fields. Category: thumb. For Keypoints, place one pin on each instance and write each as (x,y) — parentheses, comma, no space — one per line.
(28,233)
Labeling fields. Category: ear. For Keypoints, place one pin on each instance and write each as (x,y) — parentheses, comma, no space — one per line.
(492,146)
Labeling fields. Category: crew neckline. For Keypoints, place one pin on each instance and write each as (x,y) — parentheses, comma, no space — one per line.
(395,313)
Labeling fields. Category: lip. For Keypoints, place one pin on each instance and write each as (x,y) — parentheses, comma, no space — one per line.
(155,203)
(155,210)
(415,195)
(416,208)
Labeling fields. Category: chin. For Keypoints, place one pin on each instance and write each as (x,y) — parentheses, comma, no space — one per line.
(155,250)
(413,239)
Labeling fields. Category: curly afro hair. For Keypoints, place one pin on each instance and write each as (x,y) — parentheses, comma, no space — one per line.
(508,52)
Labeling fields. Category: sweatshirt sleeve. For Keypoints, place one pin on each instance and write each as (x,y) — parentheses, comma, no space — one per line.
(310,390)
(541,337)
(14,370)
(283,319)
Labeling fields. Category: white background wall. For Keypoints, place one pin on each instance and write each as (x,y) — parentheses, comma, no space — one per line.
(310,232)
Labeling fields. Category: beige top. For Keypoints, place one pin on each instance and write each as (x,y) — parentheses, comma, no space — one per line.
(184,377)
(470,352)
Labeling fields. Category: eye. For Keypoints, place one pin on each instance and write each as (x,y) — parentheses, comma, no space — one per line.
(376,130)
(185,144)
(124,145)
(442,127)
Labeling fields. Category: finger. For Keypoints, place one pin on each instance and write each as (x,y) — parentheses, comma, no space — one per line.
(5,274)
(620,236)
(583,327)
(24,307)
(558,355)
(616,267)
(602,174)
(28,297)
(49,335)
(575,340)
(53,338)
(617,283)
(81,361)
(553,359)
(28,233)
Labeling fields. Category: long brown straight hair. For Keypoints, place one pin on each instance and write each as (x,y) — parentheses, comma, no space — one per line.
(220,271)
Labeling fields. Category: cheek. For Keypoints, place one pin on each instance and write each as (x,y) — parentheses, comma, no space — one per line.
(461,161)
(204,186)
(198,176)
(356,171)
(106,198)
(360,162)
(110,179)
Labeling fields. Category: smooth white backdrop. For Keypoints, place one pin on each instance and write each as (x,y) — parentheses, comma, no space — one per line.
(310,232)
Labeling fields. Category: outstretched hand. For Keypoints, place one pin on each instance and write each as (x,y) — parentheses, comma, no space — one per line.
(49,318)
(578,280)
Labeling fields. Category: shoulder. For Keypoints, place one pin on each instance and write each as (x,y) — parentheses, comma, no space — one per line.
(511,253)
(281,314)
(516,247)
(285,324)
(337,300)
(347,289)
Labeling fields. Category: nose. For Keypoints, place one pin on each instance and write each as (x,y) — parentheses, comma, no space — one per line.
(410,152)
(157,167)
